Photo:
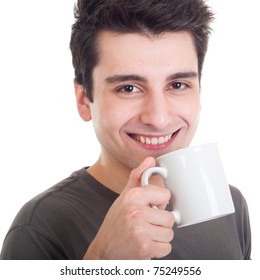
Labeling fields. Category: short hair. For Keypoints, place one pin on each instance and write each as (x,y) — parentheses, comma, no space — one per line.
(152,17)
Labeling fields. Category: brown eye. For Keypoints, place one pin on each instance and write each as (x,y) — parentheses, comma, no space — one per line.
(177,85)
(128,88)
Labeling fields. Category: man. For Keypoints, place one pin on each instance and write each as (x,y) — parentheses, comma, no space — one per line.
(137,67)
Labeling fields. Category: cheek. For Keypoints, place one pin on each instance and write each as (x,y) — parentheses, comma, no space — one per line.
(191,111)
(107,119)
(190,115)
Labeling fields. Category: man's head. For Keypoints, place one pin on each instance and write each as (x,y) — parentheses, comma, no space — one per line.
(149,17)
(138,67)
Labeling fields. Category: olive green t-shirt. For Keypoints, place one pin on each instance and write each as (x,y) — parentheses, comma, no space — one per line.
(61,222)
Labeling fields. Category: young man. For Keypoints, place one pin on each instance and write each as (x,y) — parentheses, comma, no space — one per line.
(137,77)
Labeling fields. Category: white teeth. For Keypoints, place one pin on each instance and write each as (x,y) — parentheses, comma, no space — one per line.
(153,140)
(162,140)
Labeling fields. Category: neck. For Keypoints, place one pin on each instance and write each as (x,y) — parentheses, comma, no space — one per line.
(115,176)
(110,174)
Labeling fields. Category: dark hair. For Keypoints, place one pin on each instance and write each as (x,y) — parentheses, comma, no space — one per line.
(131,16)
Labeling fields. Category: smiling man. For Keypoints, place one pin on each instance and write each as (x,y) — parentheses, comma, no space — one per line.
(137,77)
(146,100)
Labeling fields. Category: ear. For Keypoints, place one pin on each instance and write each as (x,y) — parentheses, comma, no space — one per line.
(83,103)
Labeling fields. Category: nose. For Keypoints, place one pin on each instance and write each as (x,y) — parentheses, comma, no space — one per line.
(157,111)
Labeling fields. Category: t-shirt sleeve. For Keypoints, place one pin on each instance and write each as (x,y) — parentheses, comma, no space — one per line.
(247,233)
(242,222)
(25,243)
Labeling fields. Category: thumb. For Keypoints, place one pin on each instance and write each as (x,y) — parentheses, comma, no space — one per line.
(136,174)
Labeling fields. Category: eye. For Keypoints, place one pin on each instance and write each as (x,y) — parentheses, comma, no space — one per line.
(178,88)
(178,85)
(127,89)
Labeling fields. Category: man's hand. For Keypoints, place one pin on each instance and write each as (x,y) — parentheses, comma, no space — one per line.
(131,228)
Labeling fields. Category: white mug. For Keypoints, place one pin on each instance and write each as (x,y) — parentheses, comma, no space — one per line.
(197,182)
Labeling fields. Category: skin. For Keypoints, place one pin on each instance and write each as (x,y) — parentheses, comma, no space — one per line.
(146,103)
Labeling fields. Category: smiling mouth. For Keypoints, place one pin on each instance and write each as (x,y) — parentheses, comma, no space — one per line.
(153,140)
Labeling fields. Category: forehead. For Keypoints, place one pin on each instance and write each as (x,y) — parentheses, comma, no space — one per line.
(139,51)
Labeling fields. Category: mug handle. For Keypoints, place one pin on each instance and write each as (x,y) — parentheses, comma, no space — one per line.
(162,171)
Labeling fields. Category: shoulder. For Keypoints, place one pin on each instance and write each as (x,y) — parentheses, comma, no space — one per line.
(238,198)
(242,221)
(240,204)
(47,201)
(54,222)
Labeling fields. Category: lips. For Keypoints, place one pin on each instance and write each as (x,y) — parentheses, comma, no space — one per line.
(154,141)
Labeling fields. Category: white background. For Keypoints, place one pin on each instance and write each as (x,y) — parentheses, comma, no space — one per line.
(42,137)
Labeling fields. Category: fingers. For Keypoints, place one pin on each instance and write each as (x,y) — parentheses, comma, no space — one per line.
(146,196)
(136,174)
(160,217)
(149,194)
(162,250)
(161,234)
(155,224)
(156,196)
(150,231)
(151,241)
(152,228)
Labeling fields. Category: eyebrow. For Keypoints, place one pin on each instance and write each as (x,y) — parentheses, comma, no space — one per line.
(182,75)
(125,78)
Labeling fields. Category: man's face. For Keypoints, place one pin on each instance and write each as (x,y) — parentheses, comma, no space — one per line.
(146,96)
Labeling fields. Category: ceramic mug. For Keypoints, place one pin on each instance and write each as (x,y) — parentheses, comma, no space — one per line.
(197,182)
